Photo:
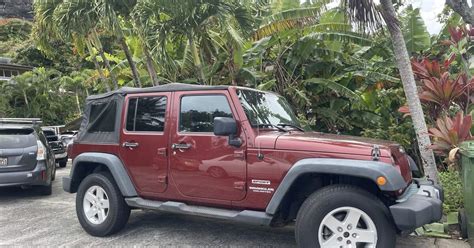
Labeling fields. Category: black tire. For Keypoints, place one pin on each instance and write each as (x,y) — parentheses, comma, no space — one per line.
(53,173)
(462,220)
(63,163)
(118,212)
(327,199)
(45,190)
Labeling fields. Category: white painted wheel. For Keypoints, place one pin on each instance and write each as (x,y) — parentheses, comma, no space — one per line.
(96,205)
(347,227)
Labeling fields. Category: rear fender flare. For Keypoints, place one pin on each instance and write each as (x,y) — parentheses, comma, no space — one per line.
(347,167)
(115,166)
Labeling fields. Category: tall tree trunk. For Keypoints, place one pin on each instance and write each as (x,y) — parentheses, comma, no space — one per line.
(133,66)
(463,9)
(96,64)
(78,103)
(150,66)
(197,60)
(232,66)
(26,99)
(411,92)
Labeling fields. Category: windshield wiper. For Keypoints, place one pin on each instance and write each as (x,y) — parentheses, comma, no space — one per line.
(271,125)
(291,125)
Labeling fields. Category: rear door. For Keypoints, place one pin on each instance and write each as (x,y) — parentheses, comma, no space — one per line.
(18,148)
(144,141)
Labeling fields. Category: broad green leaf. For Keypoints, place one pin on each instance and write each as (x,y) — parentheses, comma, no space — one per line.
(415,32)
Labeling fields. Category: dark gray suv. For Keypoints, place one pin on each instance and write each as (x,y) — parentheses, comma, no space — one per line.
(25,156)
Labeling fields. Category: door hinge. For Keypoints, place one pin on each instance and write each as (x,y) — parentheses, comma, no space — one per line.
(240,185)
(163,179)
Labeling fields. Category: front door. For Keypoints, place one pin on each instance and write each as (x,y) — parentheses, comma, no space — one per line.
(204,165)
(144,141)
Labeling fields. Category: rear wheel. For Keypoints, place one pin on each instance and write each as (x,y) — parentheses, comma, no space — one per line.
(100,206)
(63,163)
(45,190)
(53,173)
(344,216)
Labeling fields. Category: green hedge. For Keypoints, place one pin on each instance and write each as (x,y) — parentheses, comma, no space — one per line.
(453,192)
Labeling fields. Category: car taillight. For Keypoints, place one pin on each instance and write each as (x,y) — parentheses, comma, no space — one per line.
(41,153)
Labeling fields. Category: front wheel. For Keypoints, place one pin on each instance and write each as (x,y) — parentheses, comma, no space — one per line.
(100,206)
(344,216)
(63,163)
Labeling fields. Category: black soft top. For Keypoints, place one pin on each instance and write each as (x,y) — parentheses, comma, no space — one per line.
(162,88)
(101,119)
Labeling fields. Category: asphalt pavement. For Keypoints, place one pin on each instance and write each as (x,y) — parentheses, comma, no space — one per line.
(27,219)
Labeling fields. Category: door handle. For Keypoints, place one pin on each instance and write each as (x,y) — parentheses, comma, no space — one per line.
(180,146)
(130,145)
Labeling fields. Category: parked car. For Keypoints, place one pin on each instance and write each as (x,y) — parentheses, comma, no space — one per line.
(25,157)
(59,149)
(240,154)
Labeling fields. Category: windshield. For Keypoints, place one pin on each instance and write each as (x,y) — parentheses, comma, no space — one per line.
(264,108)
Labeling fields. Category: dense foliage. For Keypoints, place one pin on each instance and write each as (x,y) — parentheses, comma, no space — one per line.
(339,77)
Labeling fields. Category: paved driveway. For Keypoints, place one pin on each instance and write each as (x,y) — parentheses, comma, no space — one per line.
(30,220)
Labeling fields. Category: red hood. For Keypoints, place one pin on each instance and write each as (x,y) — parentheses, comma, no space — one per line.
(337,144)
(321,142)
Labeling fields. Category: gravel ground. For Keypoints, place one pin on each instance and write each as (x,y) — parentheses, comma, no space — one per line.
(30,220)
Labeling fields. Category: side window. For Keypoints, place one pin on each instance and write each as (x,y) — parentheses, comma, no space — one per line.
(198,112)
(146,114)
(102,117)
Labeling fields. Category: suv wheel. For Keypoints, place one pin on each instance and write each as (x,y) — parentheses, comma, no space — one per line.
(344,216)
(63,163)
(53,173)
(100,206)
(45,190)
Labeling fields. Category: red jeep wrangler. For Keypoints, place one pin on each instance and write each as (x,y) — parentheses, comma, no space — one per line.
(239,154)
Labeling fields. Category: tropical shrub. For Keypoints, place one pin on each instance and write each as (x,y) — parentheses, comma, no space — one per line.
(449,132)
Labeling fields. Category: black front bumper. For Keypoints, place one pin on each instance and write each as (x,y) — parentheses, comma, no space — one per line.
(423,204)
(38,176)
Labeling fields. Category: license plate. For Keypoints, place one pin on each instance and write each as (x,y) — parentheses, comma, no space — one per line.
(3,161)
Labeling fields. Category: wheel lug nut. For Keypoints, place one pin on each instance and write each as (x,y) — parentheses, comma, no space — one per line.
(339,239)
(339,229)
(348,242)
(354,235)
(349,227)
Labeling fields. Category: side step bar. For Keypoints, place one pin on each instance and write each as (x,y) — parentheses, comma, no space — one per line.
(246,216)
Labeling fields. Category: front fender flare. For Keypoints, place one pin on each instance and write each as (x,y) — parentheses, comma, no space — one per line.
(347,167)
(115,166)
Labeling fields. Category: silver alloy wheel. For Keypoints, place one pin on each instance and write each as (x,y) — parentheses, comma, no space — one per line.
(96,205)
(347,227)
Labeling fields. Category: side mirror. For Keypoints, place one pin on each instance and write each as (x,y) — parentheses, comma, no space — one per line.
(224,126)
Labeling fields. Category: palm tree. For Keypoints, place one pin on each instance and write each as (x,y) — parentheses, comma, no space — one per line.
(141,16)
(365,12)
(112,13)
(191,22)
(70,21)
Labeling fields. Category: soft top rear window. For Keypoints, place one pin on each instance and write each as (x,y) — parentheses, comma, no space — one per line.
(17,138)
